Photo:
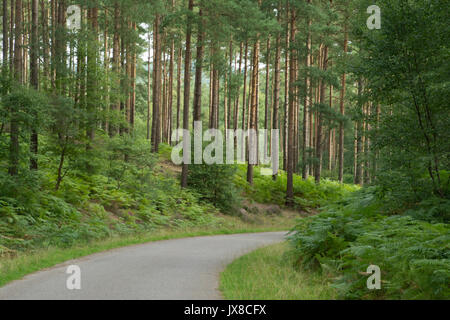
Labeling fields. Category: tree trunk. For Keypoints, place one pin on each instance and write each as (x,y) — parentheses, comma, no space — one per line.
(236,105)
(92,82)
(187,91)
(34,77)
(291,116)
(12,35)
(266,104)
(359,143)
(14,147)
(244,103)
(5,37)
(198,72)
(180,55)
(319,153)
(276,94)
(342,110)
(115,106)
(149,86)
(307,105)
(286,97)
(156,123)
(170,88)
(253,116)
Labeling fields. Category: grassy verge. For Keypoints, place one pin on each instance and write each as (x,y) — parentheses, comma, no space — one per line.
(23,263)
(268,274)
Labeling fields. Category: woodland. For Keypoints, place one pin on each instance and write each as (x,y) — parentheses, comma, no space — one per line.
(92,91)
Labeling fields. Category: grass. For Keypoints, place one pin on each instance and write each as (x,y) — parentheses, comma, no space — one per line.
(23,263)
(268,274)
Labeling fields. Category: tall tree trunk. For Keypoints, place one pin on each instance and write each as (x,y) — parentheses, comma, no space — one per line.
(133,81)
(60,48)
(244,95)
(187,91)
(45,44)
(276,94)
(180,55)
(253,124)
(266,102)
(319,153)
(342,110)
(115,106)
(12,36)
(291,116)
(286,96)
(330,136)
(149,86)
(170,95)
(92,81)
(164,95)
(237,102)
(34,77)
(198,72)
(156,123)
(225,100)
(14,147)
(359,142)
(5,37)
(307,105)
(367,147)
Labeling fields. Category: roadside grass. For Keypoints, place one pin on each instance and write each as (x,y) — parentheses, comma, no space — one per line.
(26,262)
(268,274)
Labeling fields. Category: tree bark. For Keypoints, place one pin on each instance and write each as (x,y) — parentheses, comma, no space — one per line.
(14,147)
(198,72)
(156,123)
(342,110)
(319,153)
(291,116)
(34,78)
(5,37)
(187,91)
(307,106)
(253,116)
(276,94)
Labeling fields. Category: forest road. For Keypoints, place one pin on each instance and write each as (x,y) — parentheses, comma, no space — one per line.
(180,269)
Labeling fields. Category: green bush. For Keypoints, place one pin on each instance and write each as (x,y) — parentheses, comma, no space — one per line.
(215,184)
(307,194)
(119,197)
(347,237)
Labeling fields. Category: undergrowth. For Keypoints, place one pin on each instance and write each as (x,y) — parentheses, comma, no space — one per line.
(412,251)
(307,194)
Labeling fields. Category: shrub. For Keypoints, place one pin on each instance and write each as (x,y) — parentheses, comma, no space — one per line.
(215,184)
(349,236)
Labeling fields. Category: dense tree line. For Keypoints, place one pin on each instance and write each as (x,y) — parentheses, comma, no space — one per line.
(352,104)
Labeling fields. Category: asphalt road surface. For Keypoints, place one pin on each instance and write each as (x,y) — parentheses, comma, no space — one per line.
(180,269)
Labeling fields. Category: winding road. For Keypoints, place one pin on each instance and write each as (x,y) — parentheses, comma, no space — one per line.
(180,269)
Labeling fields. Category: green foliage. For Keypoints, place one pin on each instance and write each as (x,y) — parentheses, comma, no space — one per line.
(121,197)
(28,104)
(349,236)
(410,83)
(307,194)
(215,184)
